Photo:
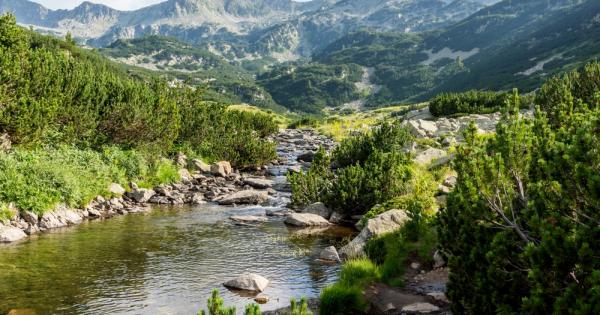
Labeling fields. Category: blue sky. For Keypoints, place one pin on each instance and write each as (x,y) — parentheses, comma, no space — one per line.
(117,4)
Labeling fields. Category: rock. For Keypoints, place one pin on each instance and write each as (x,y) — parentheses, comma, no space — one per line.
(295,169)
(184,174)
(94,213)
(420,308)
(307,156)
(222,169)
(9,234)
(330,254)
(450,181)
(336,218)
(444,189)
(438,260)
(32,229)
(259,183)
(182,160)
(30,217)
(141,195)
(439,296)
(199,165)
(248,218)
(248,282)
(116,189)
(278,213)
(244,197)
(429,156)
(198,199)
(415,266)
(68,216)
(318,208)
(132,186)
(442,161)
(261,299)
(5,143)
(305,220)
(386,222)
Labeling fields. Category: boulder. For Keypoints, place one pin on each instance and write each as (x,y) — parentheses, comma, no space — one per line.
(30,217)
(450,181)
(5,143)
(9,234)
(430,155)
(330,254)
(336,218)
(278,213)
(184,174)
(116,189)
(420,308)
(199,165)
(305,220)
(222,169)
(248,282)
(197,199)
(386,222)
(248,219)
(318,208)
(141,195)
(258,183)
(244,197)
(182,160)
(307,156)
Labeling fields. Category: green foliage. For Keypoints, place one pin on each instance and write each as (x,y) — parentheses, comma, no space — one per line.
(523,220)
(321,85)
(310,186)
(359,272)
(471,102)
(216,306)
(53,93)
(252,309)
(345,297)
(357,149)
(299,309)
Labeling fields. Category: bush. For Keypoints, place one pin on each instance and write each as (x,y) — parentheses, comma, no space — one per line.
(309,187)
(521,227)
(341,300)
(471,102)
(359,272)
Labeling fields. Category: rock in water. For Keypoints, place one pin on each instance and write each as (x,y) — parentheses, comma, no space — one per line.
(10,234)
(141,195)
(259,183)
(305,220)
(244,197)
(386,222)
(318,208)
(330,254)
(248,282)
(248,218)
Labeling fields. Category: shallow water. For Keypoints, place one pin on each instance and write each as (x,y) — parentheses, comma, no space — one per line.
(163,262)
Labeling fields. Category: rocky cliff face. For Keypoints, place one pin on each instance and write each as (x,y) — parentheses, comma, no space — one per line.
(278,29)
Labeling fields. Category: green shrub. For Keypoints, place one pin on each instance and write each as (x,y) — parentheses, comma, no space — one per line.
(338,299)
(216,306)
(521,227)
(359,272)
(310,186)
(299,309)
(471,102)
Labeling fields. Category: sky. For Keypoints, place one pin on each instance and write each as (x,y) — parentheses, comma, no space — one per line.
(116,4)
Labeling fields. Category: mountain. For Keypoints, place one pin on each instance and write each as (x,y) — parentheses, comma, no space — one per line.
(278,30)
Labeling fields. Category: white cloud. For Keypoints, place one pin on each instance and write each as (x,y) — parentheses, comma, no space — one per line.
(117,4)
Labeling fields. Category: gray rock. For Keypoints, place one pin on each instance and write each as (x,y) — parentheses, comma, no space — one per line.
(222,169)
(244,197)
(248,218)
(94,213)
(116,189)
(30,217)
(386,222)
(307,156)
(429,156)
(420,308)
(450,181)
(199,166)
(318,208)
(330,254)
(5,143)
(442,161)
(141,195)
(259,183)
(198,199)
(248,282)
(306,220)
(336,218)
(9,234)
(278,213)
(438,260)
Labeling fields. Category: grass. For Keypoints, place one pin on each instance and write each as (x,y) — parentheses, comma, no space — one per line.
(38,180)
(281,120)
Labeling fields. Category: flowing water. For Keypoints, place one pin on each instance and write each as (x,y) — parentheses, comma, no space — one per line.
(165,262)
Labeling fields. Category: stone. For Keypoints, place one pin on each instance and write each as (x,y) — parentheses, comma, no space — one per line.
(442,161)
(258,183)
(199,165)
(305,220)
(262,299)
(184,174)
(9,234)
(429,155)
(198,199)
(248,282)
(307,156)
(5,143)
(49,220)
(248,218)
(444,189)
(141,195)
(336,218)
(420,308)
(318,208)
(30,217)
(450,181)
(116,189)
(278,213)
(244,197)
(439,296)
(330,254)
(415,266)
(386,222)
(94,213)
(438,260)
(182,160)
(222,169)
